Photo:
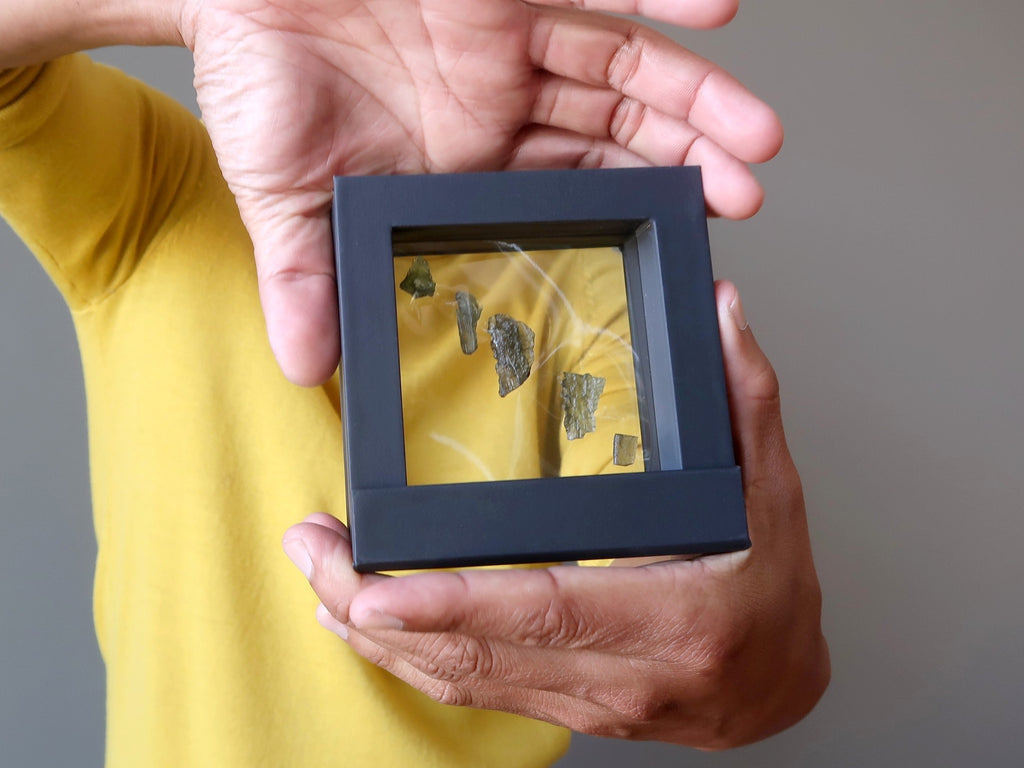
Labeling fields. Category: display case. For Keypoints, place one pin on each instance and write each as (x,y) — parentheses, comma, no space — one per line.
(531,369)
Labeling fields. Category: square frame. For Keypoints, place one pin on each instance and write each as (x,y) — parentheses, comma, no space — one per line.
(689,499)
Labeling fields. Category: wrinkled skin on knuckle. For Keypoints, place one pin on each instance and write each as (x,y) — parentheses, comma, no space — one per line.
(713,658)
(665,709)
(448,693)
(626,59)
(455,660)
(643,712)
(373,653)
(696,714)
(560,624)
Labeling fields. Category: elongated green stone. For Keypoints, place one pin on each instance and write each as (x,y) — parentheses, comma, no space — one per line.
(512,345)
(580,393)
(418,280)
(624,450)
(467,315)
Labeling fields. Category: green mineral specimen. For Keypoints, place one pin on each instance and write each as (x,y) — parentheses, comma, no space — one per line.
(467,315)
(624,450)
(418,280)
(512,345)
(580,393)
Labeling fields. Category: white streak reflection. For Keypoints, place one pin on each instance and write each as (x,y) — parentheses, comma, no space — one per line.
(465,452)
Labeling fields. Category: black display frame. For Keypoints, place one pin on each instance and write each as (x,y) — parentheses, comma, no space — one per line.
(689,499)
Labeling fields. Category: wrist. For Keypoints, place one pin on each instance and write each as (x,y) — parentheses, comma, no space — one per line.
(33,32)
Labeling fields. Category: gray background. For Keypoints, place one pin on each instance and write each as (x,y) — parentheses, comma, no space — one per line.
(882,277)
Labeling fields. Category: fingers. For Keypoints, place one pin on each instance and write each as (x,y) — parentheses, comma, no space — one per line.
(613,83)
(730,189)
(448,686)
(604,113)
(601,694)
(697,14)
(321,549)
(540,147)
(649,68)
(562,607)
(295,269)
(469,660)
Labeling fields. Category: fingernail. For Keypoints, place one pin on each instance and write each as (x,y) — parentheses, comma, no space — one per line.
(378,620)
(327,621)
(299,555)
(738,316)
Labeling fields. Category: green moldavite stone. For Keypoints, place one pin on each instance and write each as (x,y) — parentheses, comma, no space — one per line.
(467,315)
(580,393)
(418,280)
(624,450)
(512,345)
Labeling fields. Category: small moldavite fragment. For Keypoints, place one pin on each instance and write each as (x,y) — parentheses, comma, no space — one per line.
(624,450)
(512,345)
(467,314)
(580,393)
(418,280)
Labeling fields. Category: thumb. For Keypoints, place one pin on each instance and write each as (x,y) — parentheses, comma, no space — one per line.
(298,291)
(770,480)
(321,548)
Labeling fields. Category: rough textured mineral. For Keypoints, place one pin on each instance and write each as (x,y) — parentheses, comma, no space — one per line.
(467,314)
(624,450)
(512,345)
(580,393)
(418,280)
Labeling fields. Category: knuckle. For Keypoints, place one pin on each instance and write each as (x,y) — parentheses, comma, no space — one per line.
(642,710)
(376,655)
(338,609)
(456,660)
(591,157)
(557,620)
(447,692)
(764,383)
(631,714)
(626,59)
(625,121)
(716,656)
(557,625)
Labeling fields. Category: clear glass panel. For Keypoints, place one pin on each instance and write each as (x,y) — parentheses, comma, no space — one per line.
(458,427)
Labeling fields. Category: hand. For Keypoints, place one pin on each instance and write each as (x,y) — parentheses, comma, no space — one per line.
(296,91)
(713,652)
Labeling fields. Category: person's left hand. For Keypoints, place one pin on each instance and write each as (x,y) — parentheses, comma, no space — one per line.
(712,653)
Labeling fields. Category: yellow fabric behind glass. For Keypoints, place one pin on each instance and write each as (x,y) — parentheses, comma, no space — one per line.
(457,427)
(201,455)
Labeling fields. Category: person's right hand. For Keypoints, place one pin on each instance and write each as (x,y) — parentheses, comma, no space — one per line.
(294,92)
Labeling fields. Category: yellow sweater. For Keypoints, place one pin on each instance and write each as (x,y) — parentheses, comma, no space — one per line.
(202,454)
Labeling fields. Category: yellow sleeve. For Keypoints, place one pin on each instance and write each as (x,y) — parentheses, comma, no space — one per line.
(93,165)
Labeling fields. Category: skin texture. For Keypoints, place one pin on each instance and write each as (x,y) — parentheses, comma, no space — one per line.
(713,653)
(296,91)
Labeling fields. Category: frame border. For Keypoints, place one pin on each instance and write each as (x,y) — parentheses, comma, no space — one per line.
(690,498)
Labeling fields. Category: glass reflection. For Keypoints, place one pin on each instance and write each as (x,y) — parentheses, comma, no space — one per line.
(563,311)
